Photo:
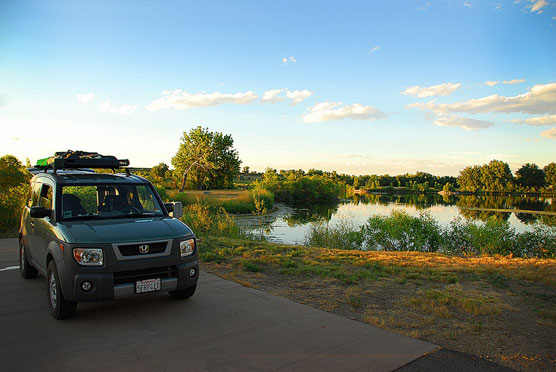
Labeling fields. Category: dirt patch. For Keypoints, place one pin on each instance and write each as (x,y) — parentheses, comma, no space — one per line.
(481,307)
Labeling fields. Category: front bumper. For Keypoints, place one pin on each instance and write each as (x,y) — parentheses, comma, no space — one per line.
(108,286)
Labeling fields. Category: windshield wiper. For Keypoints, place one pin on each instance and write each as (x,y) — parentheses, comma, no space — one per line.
(84,217)
(134,215)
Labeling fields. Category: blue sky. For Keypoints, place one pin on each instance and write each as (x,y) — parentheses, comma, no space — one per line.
(358,87)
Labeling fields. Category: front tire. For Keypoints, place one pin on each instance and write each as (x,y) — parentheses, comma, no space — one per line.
(26,270)
(59,307)
(182,294)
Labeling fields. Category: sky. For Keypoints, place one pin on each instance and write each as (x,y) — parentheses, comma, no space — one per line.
(359,87)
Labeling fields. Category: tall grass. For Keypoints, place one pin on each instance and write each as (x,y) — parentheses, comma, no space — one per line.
(204,221)
(242,203)
(402,232)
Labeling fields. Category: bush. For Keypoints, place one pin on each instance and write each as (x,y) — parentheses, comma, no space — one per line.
(203,220)
(342,235)
(302,190)
(12,202)
(400,231)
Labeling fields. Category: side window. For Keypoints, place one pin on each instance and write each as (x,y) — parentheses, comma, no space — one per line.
(34,196)
(46,197)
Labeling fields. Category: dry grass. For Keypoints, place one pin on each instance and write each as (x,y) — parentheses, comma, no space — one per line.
(502,308)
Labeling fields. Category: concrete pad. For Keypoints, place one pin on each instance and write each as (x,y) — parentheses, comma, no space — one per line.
(223,327)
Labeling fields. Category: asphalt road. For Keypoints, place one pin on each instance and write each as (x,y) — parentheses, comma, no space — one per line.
(223,327)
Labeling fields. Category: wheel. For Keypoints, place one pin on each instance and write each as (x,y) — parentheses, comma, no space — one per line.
(26,270)
(182,294)
(60,308)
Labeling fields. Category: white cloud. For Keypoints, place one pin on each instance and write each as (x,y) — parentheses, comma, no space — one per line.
(549,133)
(491,83)
(537,5)
(435,90)
(374,49)
(328,111)
(462,122)
(277,95)
(298,95)
(86,97)
(540,99)
(514,81)
(537,121)
(467,4)
(181,100)
(273,96)
(290,59)
(108,106)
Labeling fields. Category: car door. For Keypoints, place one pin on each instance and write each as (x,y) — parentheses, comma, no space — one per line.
(31,223)
(43,226)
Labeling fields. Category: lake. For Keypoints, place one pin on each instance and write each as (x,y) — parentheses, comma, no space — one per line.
(289,225)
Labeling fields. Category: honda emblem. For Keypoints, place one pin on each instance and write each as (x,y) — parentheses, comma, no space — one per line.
(144,248)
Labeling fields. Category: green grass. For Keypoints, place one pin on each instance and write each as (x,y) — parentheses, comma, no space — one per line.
(232,201)
(353,266)
(402,232)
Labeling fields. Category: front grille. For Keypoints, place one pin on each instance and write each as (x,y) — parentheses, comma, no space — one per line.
(133,249)
(132,276)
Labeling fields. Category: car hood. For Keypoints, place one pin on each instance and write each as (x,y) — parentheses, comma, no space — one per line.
(125,230)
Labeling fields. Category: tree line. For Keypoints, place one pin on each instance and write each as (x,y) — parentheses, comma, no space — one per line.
(496,177)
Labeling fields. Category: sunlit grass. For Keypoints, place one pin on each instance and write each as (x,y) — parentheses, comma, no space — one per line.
(355,266)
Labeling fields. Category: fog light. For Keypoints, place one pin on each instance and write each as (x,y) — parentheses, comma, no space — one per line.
(86,286)
(192,273)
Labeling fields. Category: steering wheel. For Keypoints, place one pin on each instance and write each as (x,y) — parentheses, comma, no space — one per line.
(131,209)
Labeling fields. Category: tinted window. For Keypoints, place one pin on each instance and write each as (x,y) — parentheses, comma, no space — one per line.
(109,201)
(34,196)
(46,197)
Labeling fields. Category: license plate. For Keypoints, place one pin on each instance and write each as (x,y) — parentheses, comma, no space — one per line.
(147,285)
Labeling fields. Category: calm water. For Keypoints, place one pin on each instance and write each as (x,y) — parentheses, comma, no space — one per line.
(290,225)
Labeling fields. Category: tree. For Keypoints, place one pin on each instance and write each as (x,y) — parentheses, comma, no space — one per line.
(12,172)
(159,172)
(496,176)
(207,158)
(550,175)
(245,170)
(470,179)
(530,175)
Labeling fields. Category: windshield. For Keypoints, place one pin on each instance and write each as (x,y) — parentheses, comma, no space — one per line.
(109,201)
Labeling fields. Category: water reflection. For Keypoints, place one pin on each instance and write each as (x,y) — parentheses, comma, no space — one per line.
(290,225)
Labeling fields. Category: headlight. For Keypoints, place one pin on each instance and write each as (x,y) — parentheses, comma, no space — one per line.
(88,256)
(187,247)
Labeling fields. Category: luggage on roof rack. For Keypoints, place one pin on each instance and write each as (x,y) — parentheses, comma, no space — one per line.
(81,159)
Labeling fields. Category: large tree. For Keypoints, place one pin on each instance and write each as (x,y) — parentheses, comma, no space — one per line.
(470,179)
(550,175)
(530,175)
(206,158)
(12,172)
(496,176)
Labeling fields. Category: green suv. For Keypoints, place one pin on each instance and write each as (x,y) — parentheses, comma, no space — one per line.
(100,236)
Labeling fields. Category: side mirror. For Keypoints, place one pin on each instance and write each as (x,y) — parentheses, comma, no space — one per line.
(40,212)
(175,209)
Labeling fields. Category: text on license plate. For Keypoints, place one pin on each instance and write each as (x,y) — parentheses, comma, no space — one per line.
(147,285)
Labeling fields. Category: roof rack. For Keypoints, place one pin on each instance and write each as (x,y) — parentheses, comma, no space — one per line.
(81,159)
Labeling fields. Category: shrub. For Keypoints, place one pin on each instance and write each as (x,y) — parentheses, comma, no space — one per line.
(203,220)
(400,231)
(341,235)
(12,202)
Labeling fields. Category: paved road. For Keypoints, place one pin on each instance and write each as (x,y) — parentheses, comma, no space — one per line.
(223,327)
